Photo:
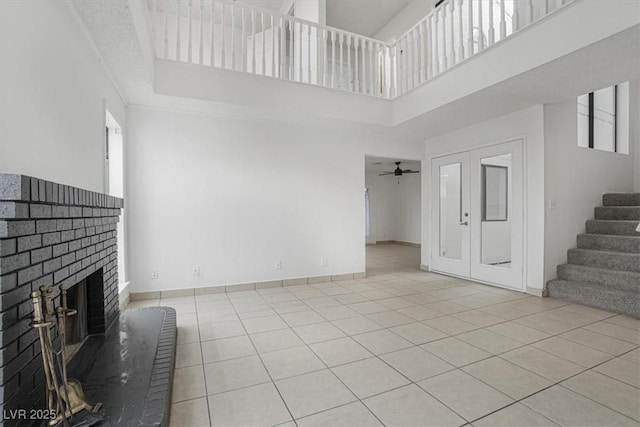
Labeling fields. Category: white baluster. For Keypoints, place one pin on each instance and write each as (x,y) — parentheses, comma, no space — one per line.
(166,30)
(211,36)
(291,51)
(264,44)
(223,54)
(436,36)
(416,55)
(421,65)
(190,27)
(333,59)
(178,36)
(243,40)
(341,44)
(356,43)
(492,34)
(530,11)
(376,70)
(371,72)
(452,56)
(349,81)
(253,42)
(201,38)
(233,36)
(445,57)
(364,65)
(503,22)
(460,32)
(393,71)
(273,49)
(515,18)
(325,58)
(409,59)
(480,27)
(309,54)
(470,47)
(300,54)
(283,46)
(428,49)
(386,72)
(545,7)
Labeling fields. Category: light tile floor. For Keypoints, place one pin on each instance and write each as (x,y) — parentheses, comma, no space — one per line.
(401,348)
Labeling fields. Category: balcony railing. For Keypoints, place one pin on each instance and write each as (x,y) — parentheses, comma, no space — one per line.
(243,38)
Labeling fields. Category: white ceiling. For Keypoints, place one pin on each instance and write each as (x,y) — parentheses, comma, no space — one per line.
(365,17)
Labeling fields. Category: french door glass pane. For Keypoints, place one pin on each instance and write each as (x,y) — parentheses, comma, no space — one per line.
(495,183)
(450,210)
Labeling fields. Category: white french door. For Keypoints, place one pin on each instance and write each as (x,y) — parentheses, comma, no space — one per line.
(477,215)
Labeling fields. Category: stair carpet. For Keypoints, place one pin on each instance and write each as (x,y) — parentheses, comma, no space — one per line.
(604,270)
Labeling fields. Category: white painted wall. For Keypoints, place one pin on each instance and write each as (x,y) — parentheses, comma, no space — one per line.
(397,207)
(236,196)
(405,19)
(575,179)
(54,87)
(526,124)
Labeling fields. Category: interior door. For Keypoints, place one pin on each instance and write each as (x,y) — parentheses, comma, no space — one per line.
(450,215)
(497,214)
(477,215)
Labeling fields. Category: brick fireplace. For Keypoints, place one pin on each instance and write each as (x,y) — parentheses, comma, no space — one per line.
(50,234)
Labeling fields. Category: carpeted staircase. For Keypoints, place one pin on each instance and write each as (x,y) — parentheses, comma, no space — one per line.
(604,270)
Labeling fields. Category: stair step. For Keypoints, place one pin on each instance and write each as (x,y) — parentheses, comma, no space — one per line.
(627,281)
(594,295)
(621,199)
(618,212)
(605,259)
(604,242)
(618,228)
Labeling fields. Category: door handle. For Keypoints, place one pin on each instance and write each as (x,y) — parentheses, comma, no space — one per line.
(464,223)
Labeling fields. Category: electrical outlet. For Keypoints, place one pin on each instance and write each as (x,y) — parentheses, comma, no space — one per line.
(323,262)
(278,265)
(154,274)
(196,270)
(552,205)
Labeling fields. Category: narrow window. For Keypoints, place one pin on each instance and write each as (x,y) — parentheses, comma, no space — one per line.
(603,119)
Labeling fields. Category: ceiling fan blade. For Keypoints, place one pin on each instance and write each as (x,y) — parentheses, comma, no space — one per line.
(410,171)
(385,173)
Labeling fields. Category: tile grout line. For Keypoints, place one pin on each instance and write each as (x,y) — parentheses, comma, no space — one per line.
(415,321)
(264,366)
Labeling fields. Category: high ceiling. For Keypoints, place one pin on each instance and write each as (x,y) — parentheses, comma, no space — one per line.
(364,17)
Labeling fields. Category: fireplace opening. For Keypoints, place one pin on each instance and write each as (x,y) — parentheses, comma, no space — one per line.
(86,297)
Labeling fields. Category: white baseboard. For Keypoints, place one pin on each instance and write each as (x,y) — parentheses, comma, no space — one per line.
(124,296)
(537,292)
(238,287)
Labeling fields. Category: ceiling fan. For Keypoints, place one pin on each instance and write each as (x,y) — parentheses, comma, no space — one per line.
(398,172)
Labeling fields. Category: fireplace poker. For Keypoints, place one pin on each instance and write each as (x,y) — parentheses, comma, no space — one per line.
(43,309)
(39,323)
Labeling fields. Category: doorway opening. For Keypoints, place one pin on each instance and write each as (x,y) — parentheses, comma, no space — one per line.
(114,182)
(393,206)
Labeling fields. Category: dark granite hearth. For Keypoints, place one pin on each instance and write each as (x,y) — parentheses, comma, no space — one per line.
(129,369)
